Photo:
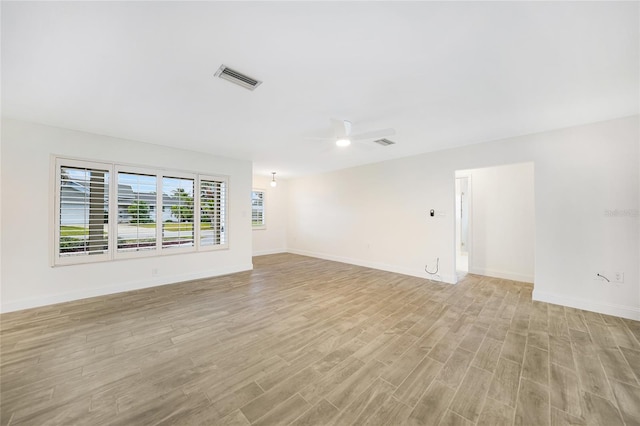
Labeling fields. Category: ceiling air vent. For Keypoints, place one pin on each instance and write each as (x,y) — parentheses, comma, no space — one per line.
(384,142)
(238,78)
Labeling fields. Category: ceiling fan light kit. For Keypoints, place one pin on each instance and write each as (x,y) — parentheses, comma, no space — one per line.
(343,137)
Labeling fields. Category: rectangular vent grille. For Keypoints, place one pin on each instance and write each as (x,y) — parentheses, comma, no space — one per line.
(238,78)
(384,142)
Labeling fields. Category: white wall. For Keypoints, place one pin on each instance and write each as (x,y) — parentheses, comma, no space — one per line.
(377,215)
(503,222)
(27,278)
(273,238)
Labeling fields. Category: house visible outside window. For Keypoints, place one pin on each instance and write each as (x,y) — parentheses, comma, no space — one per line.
(257,209)
(137,212)
(107,211)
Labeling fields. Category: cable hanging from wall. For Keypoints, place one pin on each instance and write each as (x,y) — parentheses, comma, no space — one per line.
(434,274)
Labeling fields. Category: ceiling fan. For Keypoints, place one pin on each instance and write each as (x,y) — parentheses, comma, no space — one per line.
(343,137)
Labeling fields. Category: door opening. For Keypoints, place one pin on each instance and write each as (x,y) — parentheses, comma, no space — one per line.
(495,222)
(463,189)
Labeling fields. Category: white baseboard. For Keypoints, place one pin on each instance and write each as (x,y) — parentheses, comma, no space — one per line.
(272,251)
(448,279)
(629,312)
(119,288)
(513,276)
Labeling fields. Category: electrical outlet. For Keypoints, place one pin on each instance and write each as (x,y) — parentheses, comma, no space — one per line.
(617,277)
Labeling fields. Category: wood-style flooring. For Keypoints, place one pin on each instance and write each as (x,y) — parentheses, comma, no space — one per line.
(306,341)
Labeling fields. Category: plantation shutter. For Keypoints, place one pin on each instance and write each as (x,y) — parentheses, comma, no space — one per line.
(177,200)
(137,212)
(83,211)
(213,196)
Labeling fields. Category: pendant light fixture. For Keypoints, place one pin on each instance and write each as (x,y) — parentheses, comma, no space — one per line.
(273,179)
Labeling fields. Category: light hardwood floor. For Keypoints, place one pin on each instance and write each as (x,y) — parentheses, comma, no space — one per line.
(307,341)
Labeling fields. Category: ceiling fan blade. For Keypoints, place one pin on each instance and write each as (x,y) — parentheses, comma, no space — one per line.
(374,134)
(347,127)
(313,139)
(341,128)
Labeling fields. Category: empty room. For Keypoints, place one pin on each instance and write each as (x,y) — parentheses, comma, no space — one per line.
(320,213)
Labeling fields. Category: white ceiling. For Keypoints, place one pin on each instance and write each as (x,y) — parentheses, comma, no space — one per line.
(441,74)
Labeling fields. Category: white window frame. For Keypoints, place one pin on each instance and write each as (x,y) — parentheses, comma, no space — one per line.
(112,252)
(263,225)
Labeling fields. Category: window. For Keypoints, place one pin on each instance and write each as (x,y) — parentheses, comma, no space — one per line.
(177,229)
(257,210)
(137,212)
(107,211)
(83,206)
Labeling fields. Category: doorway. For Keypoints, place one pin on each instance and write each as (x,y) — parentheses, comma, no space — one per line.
(463,199)
(495,222)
